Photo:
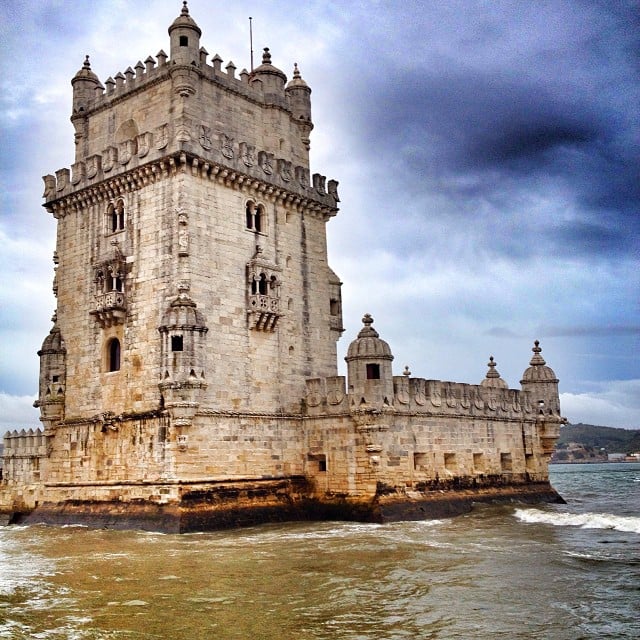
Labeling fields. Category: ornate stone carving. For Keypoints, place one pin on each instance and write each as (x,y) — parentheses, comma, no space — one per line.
(226,145)
(248,154)
(284,169)
(143,142)
(265,160)
(94,164)
(161,136)
(205,137)
(109,158)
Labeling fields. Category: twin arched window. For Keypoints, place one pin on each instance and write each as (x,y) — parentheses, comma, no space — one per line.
(255,217)
(115,217)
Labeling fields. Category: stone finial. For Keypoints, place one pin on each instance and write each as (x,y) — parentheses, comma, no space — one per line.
(86,64)
(406,371)
(368,331)
(266,56)
(493,378)
(537,358)
(296,71)
(492,373)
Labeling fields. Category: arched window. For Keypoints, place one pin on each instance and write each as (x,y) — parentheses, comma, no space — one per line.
(115,215)
(255,218)
(113,355)
(262,285)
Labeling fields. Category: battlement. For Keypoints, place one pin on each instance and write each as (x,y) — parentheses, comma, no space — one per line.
(24,444)
(428,397)
(134,162)
(158,69)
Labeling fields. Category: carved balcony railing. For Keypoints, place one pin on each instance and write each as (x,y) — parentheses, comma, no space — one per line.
(263,312)
(111,308)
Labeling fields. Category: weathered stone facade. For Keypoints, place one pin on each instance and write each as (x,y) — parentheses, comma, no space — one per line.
(190,377)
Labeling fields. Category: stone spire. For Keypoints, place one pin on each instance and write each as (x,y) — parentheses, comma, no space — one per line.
(493,378)
(538,371)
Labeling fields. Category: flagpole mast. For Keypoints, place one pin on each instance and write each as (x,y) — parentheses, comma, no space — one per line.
(251,41)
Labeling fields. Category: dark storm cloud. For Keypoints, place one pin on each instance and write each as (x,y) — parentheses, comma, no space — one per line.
(507,137)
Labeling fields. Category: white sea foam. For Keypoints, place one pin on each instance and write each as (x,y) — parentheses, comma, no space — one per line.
(627,524)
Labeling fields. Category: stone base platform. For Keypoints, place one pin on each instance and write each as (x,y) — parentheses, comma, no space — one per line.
(233,505)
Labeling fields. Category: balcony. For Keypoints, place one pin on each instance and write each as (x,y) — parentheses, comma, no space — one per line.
(111,308)
(263,312)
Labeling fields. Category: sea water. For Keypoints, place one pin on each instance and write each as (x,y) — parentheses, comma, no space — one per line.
(511,571)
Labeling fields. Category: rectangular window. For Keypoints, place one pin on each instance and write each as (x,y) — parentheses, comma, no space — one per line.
(373,371)
(176,343)
(420,461)
(450,461)
(505,462)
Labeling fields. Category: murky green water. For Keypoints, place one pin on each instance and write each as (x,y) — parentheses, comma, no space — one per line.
(499,572)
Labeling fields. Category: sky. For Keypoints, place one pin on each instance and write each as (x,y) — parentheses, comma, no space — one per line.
(488,155)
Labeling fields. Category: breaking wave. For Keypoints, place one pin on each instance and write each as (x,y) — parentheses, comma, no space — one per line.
(627,524)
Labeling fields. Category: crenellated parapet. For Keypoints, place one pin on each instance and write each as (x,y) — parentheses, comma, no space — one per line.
(23,452)
(103,176)
(372,389)
(426,397)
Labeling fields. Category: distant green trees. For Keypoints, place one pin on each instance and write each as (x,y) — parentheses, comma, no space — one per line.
(593,437)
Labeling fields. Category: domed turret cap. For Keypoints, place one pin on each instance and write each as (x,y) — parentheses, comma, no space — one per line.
(267,68)
(297,80)
(493,378)
(368,344)
(538,371)
(185,20)
(53,343)
(85,73)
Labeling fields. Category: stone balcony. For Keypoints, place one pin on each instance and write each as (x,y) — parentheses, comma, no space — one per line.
(111,308)
(263,312)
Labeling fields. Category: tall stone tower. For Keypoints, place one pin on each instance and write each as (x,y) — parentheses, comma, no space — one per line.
(191,241)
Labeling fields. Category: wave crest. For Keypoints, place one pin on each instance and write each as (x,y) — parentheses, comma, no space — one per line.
(628,524)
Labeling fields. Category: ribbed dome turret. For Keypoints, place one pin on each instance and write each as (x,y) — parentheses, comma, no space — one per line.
(85,73)
(538,371)
(53,343)
(183,313)
(493,378)
(84,84)
(297,80)
(368,345)
(185,20)
(267,70)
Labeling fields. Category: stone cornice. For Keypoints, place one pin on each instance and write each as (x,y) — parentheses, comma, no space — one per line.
(296,197)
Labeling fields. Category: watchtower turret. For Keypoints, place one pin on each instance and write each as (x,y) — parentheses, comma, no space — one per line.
(369,368)
(542,383)
(84,84)
(299,95)
(185,39)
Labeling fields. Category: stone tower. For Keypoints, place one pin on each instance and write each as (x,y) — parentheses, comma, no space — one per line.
(189,381)
(193,268)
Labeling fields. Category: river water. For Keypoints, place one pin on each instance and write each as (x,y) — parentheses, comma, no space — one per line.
(512,571)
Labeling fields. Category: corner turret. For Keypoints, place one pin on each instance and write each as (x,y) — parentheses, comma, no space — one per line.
(299,95)
(270,79)
(84,84)
(369,370)
(51,396)
(185,39)
(542,383)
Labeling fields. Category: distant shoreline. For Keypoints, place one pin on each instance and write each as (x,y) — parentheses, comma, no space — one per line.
(594,462)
